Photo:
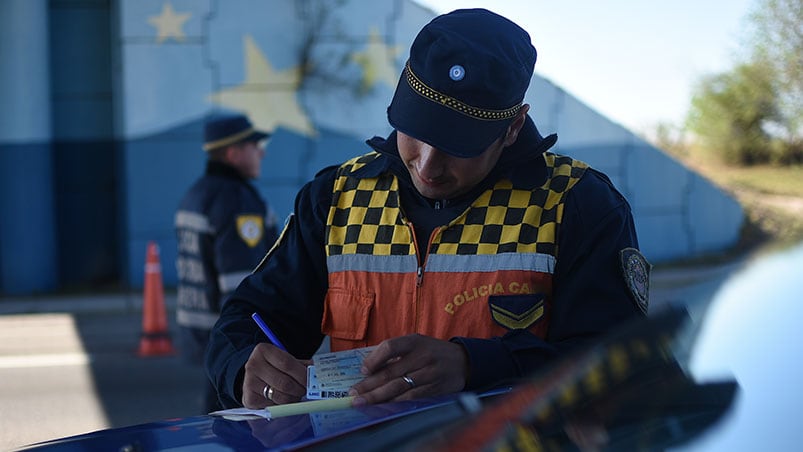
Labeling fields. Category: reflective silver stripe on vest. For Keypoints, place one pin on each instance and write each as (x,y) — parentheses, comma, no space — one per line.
(538,262)
(229,281)
(195,319)
(371,263)
(193,221)
(450,263)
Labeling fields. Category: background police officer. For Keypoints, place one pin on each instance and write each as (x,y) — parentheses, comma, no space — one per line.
(224,228)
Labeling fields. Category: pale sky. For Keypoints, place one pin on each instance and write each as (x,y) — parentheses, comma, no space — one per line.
(634,61)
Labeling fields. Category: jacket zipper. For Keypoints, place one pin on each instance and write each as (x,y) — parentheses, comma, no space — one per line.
(419,272)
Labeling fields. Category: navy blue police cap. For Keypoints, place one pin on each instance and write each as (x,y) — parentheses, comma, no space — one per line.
(464,81)
(225,130)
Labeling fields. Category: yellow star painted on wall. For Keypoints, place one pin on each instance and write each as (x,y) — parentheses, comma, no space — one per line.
(378,62)
(266,95)
(168,24)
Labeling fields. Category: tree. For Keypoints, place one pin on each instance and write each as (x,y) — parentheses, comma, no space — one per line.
(729,112)
(754,113)
(778,44)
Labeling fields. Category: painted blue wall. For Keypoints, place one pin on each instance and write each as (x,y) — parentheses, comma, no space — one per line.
(108,128)
(84,147)
(28,251)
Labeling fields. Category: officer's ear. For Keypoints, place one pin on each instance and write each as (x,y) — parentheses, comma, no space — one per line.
(514,128)
(231,154)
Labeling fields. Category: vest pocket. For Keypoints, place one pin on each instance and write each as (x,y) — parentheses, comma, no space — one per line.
(346,313)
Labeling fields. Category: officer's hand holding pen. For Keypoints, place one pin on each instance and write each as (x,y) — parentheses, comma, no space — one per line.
(272,375)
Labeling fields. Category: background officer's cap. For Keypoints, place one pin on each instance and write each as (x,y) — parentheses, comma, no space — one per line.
(225,130)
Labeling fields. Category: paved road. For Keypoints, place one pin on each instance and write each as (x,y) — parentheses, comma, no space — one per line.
(68,365)
(65,373)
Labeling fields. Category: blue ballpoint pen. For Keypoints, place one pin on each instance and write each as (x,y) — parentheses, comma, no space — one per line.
(264,327)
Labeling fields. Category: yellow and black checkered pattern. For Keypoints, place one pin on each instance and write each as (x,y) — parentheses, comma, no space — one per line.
(365,217)
(601,375)
(509,220)
(630,381)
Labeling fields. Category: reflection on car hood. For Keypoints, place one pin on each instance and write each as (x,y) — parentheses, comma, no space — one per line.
(752,332)
(629,386)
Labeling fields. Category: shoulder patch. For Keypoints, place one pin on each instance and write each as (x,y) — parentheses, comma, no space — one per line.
(636,272)
(251,228)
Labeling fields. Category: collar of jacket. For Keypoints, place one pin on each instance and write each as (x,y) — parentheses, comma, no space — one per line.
(217,168)
(529,147)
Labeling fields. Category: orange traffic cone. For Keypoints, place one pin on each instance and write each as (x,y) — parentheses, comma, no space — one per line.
(155,340)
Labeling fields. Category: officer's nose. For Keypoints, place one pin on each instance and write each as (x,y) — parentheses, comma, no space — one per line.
(430,162)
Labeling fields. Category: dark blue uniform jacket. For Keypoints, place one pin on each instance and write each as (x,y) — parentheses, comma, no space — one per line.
(590,294)
(223,228)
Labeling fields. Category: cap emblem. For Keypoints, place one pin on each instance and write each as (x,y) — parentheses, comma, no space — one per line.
(457,73)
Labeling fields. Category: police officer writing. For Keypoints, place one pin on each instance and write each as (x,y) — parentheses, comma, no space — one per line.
(224,228)
(470,254)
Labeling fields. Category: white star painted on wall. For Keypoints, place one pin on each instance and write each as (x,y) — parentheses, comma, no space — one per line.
(378,62)
(266,95)
(169,24)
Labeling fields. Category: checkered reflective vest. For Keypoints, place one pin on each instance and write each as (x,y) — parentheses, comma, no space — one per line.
(486,272)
